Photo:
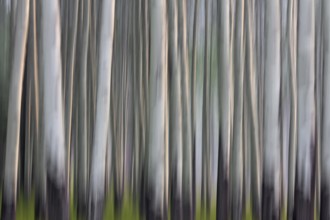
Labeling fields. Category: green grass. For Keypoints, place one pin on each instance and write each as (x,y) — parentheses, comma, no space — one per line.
(129,210)
(201,214)
(25,208)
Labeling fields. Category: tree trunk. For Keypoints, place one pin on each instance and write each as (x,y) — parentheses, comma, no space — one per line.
(325,148)
(304,207)
(186,117)
(271,154)
(236,154)
(225,89)
(82,112)
(14,112)
(96,200)
(155,203)
(253,120)
(175,113)
(54,140)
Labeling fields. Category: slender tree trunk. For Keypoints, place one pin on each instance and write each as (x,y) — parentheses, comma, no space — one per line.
(70,70)
(192,91)
(175,113)
(82,122)
(186,117)
(325,149)
(271,154)
(253,126)
(14,107)
(303,207)
(54,140)
(206,120)
(155,203)
(285,104)
(236,155)
(293,107)
(225,87)
(40,161)
(319,66)
(96,199)
(5,43)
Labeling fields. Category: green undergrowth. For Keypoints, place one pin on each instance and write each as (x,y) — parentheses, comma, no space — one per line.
(129,211)
(25,207)
(202,214)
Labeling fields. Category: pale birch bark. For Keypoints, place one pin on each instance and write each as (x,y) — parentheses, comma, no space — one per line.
(225,90)
(325,148)
(271,154)
(293,107)
(253,127)
(285,104)
(54,139)
(102,111)
(14,112)
(157,111)
(303,207)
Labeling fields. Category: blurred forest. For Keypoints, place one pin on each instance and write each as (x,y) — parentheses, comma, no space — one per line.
(165,109)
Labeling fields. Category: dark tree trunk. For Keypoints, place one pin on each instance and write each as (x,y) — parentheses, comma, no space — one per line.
(96,209)
(40,207)
(303,207)
(8,210)
(325,203)
(118,199)
(57,200)
(151,212)
(82,207)
(269,209)
(222,187)
(194,173)
(175,201)
(187,210)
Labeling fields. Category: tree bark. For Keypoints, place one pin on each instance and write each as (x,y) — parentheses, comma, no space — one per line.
(304,192)
(175,113)
(325,149)
(155,203)
(14,112)
(225,89)
(54,140)
(96,201)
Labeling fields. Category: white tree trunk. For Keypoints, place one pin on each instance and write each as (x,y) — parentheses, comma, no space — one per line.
(157,110)
(97,183)
(271,152)
(54,140)
(303,207)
